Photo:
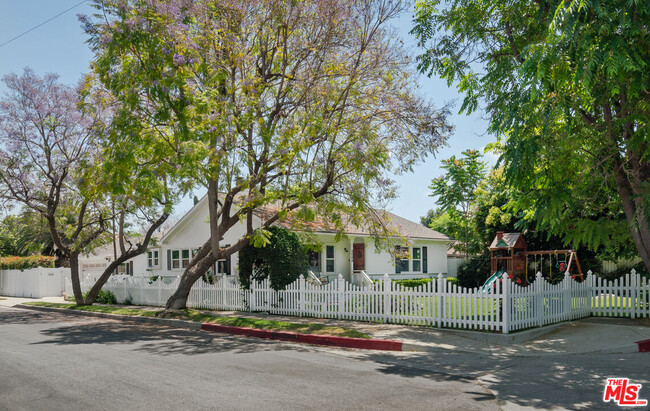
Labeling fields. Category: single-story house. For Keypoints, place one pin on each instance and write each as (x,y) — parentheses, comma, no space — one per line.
(424,254)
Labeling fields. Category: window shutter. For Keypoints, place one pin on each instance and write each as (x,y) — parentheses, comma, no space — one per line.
(425,266)
(228,265)
(169,260)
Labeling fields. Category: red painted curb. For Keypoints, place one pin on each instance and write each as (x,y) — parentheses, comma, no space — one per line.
(348,342)
(644,345)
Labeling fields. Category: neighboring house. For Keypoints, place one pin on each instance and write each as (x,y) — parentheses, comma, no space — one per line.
(423,256)
(455,259)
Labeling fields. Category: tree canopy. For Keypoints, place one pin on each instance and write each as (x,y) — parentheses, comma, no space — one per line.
(455,194)
(306,106)
(52,161)
(566,87)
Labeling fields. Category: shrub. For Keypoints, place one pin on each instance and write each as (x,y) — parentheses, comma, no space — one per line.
(25,263)
(104,297)
(414,282)
(452,280)
(283,260)
(621,271)
(474,272)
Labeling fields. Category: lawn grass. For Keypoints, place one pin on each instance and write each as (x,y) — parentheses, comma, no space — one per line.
(205,317)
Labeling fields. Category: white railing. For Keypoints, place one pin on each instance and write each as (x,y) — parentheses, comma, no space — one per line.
(361,279)
(313,279)
(509,307)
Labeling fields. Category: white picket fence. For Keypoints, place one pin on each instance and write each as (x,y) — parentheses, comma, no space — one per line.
(506,307)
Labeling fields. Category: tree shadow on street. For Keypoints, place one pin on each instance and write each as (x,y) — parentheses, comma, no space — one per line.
(544,382)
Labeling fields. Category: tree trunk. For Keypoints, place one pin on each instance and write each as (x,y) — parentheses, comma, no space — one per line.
(178,300)
(635,214)
(74,278)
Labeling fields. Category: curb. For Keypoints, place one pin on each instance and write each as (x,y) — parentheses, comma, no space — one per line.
(345,342)
(329,340)
(191,325)
(643,345)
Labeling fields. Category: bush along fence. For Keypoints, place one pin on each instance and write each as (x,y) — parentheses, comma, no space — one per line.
(505,307)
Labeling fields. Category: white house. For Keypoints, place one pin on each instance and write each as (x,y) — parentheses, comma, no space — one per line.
(425,250)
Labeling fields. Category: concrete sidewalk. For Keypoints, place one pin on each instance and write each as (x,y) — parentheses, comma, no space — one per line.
(589,335)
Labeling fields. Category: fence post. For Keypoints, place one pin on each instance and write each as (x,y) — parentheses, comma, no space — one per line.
(505,290)
(387,290)
(301,295)
(634,289)
(590,286)
(566,294)
(539,299)
(340,288)
(159,281)
(440,289)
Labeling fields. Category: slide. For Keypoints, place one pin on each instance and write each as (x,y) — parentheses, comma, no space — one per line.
(487,287)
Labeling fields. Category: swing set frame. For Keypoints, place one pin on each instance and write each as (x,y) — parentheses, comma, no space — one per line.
(573,256)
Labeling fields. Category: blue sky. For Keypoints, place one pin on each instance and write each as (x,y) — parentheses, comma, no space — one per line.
(59,47)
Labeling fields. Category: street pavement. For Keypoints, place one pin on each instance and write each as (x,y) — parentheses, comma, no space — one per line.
(53,361)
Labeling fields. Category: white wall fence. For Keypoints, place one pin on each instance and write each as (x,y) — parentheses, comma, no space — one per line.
(33,283)
(505,307)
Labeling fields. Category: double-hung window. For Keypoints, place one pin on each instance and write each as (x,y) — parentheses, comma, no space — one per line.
(410,260)
(416,259)
(329,258)
(179,259)
(153,259)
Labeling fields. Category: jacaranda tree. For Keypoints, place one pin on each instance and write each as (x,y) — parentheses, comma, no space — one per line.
(301,107)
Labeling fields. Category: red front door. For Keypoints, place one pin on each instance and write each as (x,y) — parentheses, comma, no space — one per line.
(359,257)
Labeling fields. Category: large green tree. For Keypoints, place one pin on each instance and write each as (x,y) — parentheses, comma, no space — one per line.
(566,87)
(301,107)
(52,156)
(455,193)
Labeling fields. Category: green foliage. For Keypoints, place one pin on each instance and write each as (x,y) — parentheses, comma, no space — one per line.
(25,233)
(282,260)
(204,90)
(452,280)
(455,192)
(621,271)
(25,263)
(474,272)
(104,297)
(414,282)
(565,84)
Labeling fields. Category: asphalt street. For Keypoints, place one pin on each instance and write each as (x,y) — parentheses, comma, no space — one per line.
(51,361)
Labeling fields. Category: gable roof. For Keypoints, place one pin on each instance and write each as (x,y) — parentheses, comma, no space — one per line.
(406,228)
(508,240)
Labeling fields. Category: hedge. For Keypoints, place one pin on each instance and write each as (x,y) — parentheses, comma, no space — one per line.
(25,263)
(416,282)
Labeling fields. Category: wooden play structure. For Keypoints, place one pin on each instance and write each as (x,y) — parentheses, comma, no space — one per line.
(509,253)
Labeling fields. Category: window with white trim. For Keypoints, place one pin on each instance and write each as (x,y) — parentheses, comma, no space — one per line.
(416,259)
(179,259)
(153,259)
(125,268)
(329,258)
(410,259)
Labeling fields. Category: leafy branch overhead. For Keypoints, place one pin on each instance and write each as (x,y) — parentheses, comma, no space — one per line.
(289,104)
(566,87)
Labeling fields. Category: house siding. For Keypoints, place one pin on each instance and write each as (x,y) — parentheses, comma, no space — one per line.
(193,230)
